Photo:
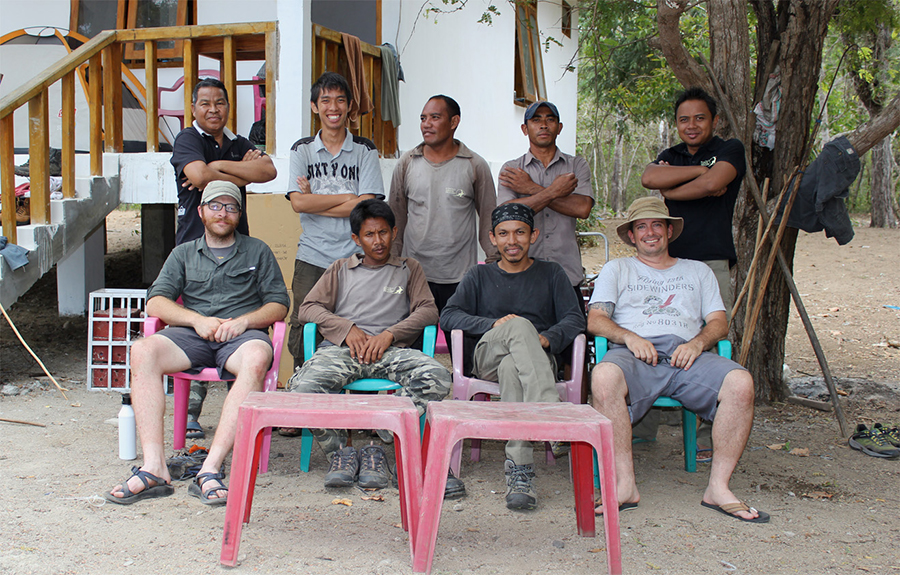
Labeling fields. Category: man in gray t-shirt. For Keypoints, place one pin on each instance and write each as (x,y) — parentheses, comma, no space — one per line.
(442,195)
(330,174)
(652,309)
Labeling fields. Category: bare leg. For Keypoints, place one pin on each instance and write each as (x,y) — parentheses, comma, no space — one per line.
(150,359)
(249,365)
(731,429)
(609,394)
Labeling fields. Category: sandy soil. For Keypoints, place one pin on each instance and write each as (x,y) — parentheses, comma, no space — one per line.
(831,510)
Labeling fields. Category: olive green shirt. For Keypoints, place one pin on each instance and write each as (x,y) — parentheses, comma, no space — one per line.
(239,283)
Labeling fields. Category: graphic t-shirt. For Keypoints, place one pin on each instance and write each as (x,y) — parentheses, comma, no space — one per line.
(652,302)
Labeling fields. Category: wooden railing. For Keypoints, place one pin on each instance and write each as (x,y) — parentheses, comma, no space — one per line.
(329,56)
(227,43)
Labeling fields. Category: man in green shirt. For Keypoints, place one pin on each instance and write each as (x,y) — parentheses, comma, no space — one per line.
(232,291)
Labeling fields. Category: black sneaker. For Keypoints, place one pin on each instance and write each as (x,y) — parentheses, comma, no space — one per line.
(374,472)
(455,487)
(892,435)
(873,443)
(519,491)
(343,469)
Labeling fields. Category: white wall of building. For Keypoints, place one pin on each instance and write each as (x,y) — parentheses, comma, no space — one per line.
(474,63)
(17,14)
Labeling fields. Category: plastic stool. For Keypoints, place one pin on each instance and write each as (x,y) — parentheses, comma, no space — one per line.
(448,422)
(263,410)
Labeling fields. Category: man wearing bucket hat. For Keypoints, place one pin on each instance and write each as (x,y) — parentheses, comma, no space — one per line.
(233,291)
(652,308)
(521,311)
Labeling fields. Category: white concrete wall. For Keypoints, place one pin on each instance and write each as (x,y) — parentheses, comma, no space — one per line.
(17,14)
(474,64)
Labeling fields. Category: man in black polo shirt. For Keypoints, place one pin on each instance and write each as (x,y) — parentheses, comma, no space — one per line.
(699,180)
(204,152)
(208,151)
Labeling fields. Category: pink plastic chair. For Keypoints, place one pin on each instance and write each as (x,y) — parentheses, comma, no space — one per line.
(259,101)
(179,112)
(182,385)
(466,388)
(262,411)
(449,422)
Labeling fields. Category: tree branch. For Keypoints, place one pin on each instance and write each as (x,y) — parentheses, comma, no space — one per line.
(866,136)
(685,68)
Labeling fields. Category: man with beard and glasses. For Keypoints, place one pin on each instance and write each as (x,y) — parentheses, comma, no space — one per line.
(232,291)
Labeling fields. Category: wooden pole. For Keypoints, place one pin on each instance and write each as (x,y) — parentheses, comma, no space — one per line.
(751,276)
(190,79)
(68,135)
(229,78)
(150,83)
(7,179)
(782,261)
(39,158)
(95,101)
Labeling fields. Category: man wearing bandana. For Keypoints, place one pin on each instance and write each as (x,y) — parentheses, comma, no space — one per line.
(520,312)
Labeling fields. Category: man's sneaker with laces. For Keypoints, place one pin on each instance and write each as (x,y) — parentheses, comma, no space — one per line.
(891,434)
(374,472)
(519,490)
(873,443)
(343,469)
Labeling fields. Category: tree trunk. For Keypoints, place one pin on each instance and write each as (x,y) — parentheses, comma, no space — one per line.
(883,208)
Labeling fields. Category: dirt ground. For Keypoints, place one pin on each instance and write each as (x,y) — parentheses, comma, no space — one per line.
(831,509)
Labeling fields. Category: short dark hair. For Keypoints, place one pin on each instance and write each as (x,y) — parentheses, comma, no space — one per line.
(695,93)
(330,81)
(368,209)
(208,83)
(452,105)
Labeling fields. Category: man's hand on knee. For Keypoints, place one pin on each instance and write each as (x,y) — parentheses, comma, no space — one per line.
(504,319)
(206,327)
(356,341)
(685,354)
(230,329)
(641,348)
(374,348)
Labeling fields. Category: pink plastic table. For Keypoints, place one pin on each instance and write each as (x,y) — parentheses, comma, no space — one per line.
(319,410)
(448,422)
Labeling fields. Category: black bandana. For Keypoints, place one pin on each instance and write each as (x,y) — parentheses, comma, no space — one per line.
(512,211)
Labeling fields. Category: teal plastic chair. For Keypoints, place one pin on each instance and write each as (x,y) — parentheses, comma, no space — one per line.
(373,385)
(688,418)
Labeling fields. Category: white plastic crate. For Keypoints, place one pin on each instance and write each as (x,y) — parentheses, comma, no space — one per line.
(115,322)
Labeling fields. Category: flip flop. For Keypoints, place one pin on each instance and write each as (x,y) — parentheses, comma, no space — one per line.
(730,509)
(704,458)
(196,489)
(194,430)
(622,507)
(161,489)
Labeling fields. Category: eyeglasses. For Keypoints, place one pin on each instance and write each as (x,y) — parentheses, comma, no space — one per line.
(230,208)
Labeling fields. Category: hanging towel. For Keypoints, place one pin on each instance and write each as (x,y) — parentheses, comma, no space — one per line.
(15,256)
(361,103)
(390,85)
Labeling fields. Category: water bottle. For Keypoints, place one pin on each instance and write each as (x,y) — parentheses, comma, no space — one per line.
(127,430)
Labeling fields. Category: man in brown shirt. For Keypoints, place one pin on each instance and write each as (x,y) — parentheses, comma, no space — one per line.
(370,308)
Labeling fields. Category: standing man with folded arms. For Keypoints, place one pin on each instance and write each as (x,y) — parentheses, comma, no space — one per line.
(442,194)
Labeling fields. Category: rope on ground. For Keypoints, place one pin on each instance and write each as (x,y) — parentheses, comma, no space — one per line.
(34,355)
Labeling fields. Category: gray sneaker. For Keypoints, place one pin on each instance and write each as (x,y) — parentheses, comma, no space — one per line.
(374,472)
(343,469)
(519,490)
